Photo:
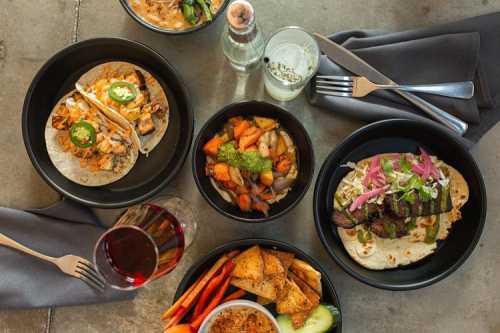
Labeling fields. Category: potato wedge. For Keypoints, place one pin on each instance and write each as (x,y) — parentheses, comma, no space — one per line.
(265,123)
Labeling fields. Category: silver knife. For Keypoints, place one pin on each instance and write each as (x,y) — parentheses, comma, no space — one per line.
(358,66)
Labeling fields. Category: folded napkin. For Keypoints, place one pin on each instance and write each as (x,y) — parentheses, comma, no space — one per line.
(461,51)
(64,228)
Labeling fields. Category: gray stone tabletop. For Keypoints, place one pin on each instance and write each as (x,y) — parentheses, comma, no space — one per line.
(32,30)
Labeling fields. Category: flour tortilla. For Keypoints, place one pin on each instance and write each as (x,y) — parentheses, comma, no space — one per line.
(157,94)
(69,165)
(383,253)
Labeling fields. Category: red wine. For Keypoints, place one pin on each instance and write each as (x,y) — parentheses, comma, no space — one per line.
(146,243)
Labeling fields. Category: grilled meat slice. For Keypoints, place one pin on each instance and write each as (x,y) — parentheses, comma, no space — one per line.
(347,219)
(389,227)
(60,122)
(419,207)
(145,124)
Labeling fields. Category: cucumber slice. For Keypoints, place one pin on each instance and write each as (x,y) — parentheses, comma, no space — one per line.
(321,320)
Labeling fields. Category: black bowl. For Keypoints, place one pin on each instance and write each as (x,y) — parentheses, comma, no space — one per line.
(305,159)
(58,76)
(397,135)
(155,28)
(329,293)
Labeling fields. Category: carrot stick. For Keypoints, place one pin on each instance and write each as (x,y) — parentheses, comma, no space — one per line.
(195,325)
(176,318)
(174,307)
(236,295)
(206,279)
(211,287)
(189,297)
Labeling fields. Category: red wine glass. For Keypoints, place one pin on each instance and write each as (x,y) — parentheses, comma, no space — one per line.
(146,242)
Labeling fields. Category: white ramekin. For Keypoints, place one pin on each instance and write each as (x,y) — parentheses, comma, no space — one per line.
(205,326)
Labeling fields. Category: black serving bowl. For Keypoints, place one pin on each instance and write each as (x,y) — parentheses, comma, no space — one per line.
(397,135)
(58,76)
(329,293)
(164,31)
(305,159)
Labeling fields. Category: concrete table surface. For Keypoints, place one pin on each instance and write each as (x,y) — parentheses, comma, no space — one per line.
(32,30)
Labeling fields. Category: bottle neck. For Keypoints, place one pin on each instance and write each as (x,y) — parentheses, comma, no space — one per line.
(243,35)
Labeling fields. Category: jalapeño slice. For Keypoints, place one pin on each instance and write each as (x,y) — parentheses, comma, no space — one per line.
(82,134)
(122,92)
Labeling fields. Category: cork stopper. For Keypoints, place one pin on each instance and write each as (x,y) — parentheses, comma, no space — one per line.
(240,14)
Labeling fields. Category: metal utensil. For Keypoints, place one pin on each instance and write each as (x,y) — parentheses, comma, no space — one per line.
(72,265)
(359,86)
(358,66)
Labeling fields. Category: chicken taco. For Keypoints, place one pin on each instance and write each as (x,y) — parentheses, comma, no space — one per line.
(392,209)
(130,96)
(86,146)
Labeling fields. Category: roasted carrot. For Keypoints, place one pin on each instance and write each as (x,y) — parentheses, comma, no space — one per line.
(266,196)
(176,318)
(221,172)
(195,325)
(212,147)
(236,295)
(241,127)
(252,148)
(173,309)
(249,137)
(244,202)
(284,166)
(211,287)
(261,206)
(242,190)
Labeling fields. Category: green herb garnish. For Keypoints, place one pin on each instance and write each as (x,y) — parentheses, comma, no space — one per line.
(249,160)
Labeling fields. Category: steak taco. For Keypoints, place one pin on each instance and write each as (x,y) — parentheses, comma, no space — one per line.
(86,146)
(392,209)
(130,96)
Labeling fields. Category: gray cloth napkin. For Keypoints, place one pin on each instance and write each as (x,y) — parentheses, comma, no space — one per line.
(64,228)
(459,51)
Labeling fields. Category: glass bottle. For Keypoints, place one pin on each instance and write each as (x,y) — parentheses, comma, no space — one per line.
(242,41)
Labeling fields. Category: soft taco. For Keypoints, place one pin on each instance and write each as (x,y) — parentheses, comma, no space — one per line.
(392,209)
(86,146)
(130,96)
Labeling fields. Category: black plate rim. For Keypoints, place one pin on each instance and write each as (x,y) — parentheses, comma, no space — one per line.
(264,242)
(41,171)
(156,29)
(374,283)
(264,219)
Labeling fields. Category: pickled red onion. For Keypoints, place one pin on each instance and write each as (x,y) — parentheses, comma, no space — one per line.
(359,201)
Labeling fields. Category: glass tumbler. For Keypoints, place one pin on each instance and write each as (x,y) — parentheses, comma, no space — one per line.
(291,58)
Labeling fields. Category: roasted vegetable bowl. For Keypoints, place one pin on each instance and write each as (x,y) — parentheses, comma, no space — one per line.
(253,161)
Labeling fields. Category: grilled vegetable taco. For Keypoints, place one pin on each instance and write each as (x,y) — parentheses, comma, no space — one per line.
(391,209)
(130,96)
(85,145)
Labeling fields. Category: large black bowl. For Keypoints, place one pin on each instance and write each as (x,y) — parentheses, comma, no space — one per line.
(397,135)
(58,76)
(305,159)
(329,294)
(150,26)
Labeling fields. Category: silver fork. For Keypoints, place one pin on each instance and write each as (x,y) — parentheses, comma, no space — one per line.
(72,265)
(353,86)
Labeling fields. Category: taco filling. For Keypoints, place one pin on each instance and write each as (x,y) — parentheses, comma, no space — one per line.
(129,96)
(391,209)
(98,145)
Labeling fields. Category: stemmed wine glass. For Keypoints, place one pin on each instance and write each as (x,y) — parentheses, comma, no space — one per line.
(146,242)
